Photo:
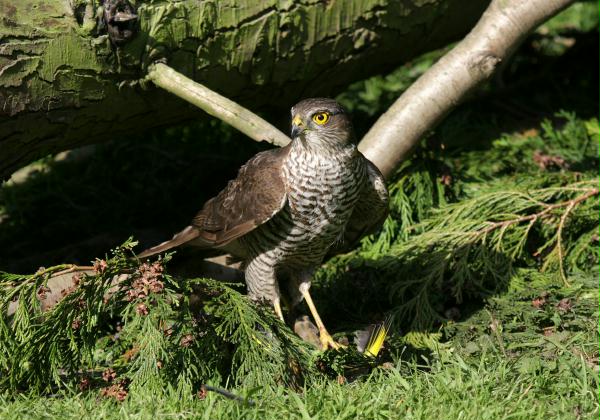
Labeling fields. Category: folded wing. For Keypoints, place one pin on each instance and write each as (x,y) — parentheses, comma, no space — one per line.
(251,199)
(369,213)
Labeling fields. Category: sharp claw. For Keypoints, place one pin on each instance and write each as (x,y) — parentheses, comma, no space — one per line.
(327,341)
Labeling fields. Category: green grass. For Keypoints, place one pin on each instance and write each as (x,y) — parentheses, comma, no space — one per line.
(498,334)
(509,371)
(451,391)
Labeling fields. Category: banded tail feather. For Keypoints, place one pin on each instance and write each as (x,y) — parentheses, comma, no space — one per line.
(188,234)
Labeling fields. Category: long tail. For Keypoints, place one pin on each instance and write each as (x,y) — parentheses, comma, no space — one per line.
(186,235)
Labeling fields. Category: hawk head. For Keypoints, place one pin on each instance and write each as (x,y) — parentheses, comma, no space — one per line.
(322,120)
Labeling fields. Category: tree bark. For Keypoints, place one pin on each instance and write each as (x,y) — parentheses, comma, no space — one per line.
(63,84)
(498,33)
(216,105)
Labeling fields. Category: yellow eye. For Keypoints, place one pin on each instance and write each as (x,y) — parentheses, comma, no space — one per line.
(321,118)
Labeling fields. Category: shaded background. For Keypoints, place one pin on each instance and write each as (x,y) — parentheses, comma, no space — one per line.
(75,207)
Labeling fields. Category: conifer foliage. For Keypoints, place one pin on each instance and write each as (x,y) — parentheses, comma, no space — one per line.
(132,327)
(450,239)
(138,332)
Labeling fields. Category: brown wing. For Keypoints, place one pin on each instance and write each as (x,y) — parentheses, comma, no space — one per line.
(369,213)
(256,195)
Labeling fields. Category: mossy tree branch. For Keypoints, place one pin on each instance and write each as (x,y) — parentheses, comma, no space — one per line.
(473,61)
(63,85)
(216,105)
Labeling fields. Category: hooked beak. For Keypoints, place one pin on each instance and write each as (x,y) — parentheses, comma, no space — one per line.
(297,126)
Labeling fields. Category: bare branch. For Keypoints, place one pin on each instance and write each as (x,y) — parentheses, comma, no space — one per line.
(498,33)
(216,105)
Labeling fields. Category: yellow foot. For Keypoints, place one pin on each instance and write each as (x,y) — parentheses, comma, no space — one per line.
(327,341)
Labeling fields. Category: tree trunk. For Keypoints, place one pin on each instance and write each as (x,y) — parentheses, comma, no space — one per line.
(63,84)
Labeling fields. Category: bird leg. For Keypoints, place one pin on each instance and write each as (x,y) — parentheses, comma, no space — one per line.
(259,273)
(278,311)
(324,336)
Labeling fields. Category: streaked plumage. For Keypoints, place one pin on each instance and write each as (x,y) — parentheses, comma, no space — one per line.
(289,207)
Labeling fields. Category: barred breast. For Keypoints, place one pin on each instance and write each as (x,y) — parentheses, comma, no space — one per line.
(322,190)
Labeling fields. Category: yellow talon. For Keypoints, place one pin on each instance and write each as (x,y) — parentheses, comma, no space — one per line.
(325,338)
(327,341)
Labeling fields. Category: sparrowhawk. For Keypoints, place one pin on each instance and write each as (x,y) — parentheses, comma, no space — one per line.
(290,207)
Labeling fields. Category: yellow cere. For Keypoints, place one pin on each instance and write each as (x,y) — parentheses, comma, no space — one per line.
(321,118)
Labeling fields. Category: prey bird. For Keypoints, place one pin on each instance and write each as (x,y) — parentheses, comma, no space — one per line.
(290,207)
